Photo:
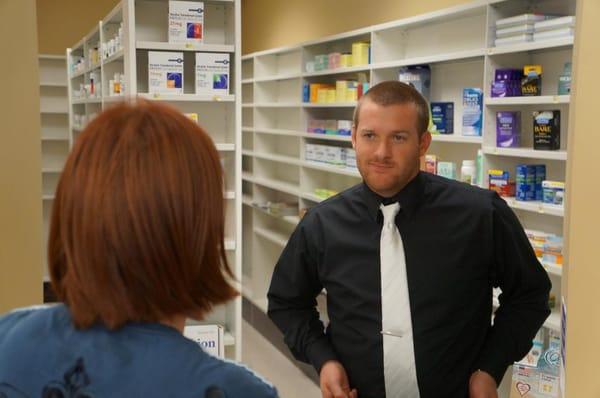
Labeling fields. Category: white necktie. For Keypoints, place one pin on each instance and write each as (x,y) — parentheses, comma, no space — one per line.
(398,350)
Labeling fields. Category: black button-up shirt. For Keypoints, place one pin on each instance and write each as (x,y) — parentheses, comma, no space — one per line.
(459,242)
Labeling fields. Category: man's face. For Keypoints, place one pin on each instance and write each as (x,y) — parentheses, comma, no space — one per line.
(387,146)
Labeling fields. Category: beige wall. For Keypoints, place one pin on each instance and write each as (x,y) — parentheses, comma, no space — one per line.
(583,212)
(275,23)
(20,158)
(62,23)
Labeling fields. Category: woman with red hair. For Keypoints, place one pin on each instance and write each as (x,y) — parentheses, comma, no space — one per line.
(136,246)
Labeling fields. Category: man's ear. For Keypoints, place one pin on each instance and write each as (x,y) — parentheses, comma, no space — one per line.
(424,142)
(353,136)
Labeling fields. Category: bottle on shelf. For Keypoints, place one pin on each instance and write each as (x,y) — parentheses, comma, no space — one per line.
(468,173)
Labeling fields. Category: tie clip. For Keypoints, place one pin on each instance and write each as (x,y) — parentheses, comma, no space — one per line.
(391,333)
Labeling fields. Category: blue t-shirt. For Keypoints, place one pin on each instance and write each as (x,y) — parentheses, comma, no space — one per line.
(43,355)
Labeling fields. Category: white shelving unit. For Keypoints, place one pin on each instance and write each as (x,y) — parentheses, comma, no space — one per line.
(457,43)
(144,26)
(54,134)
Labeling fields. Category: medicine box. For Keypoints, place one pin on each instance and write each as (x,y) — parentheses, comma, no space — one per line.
(447,170)
(442,116)
(212,73)
(508,129)
(186,22)
(165,72)
(431,164)
(472,111)
(418,76)
(554,24)
(310,152)
(554,34)
(209,337)
(335,155)
(519,20)
(499,181)
(525,182)
(546,130)
(554,192)
(514,31)
(531,84)
(350,157)
(524,38)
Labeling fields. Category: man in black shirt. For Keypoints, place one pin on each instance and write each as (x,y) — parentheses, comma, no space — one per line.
(457,242)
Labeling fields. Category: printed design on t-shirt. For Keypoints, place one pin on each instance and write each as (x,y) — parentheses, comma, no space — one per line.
(75,380)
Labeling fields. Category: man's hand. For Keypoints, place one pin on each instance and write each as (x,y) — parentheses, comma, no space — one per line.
(334,381)
(482,385)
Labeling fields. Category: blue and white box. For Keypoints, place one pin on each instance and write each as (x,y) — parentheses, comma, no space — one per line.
(209,337)
(442,116)
(472,111)
(186,22)
(212,73)
(165,72)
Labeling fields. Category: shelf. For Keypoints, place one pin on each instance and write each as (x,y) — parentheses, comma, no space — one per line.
(553,321)
(337,71)
(229,195)
(53,84)
(293,220)
(525,153)
(537,100)
(247,81)
(294,133)
(312,197)
(458,139)
(87,101)
(229,245)
(331,168)
(54,110)
(276,158)
(273,184)
(114,98)
(57,139)
(47,197)
(272,236)
(86,70)
(275,105)
(330,105)
(51,170)
(536,207)
(286,76)
(225,147)
(455,56)
(552,268)
(163,46)
(531,46)
(118,56)
(187,97)
(228,339)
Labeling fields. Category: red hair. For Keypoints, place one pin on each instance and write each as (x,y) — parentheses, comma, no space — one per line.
(137,229)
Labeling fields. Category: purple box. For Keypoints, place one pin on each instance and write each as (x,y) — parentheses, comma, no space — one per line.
(507,83)
(508,129)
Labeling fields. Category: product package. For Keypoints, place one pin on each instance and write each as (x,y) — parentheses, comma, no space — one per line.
(186,22)
(209,337)
(546,130)
(508,129)
(472,111)
(531,84)
(507,82)
(564,80)
(344,127)
(431,162)
(361,52)
(419,76)
(540,176)
(350,157)
(442,116)
(447,170)
(554,192)
(525,182)
(212,73)
(165,72)
(499,181)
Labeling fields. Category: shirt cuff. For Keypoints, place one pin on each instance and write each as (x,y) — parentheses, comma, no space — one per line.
(494,365)
(320,352)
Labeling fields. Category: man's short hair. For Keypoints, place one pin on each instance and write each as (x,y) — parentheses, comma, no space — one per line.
(395,93)
(137,228)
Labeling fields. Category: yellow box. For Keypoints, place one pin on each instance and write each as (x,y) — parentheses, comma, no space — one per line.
(346,60)
(360,53)
(341,88)
(330,95)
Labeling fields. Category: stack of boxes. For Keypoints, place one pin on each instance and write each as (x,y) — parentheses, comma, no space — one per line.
(533,27)
(332,155)
(341,91)
(360,55)
(330,126)
(547,247)
(530,185)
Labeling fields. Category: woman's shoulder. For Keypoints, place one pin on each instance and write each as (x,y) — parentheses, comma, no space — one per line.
(235,379)
(28,317)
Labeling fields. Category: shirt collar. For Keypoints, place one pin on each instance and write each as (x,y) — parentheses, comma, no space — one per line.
(409,197)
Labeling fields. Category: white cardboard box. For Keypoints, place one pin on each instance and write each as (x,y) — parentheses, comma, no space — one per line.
(165,72)
(209,337)
(186,22)
(212,73)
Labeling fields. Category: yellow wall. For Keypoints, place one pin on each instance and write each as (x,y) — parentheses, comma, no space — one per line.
(582,211)
(274,23)
(20,158)
(62,23)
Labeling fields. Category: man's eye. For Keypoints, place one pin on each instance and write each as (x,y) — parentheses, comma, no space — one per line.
(400,137)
